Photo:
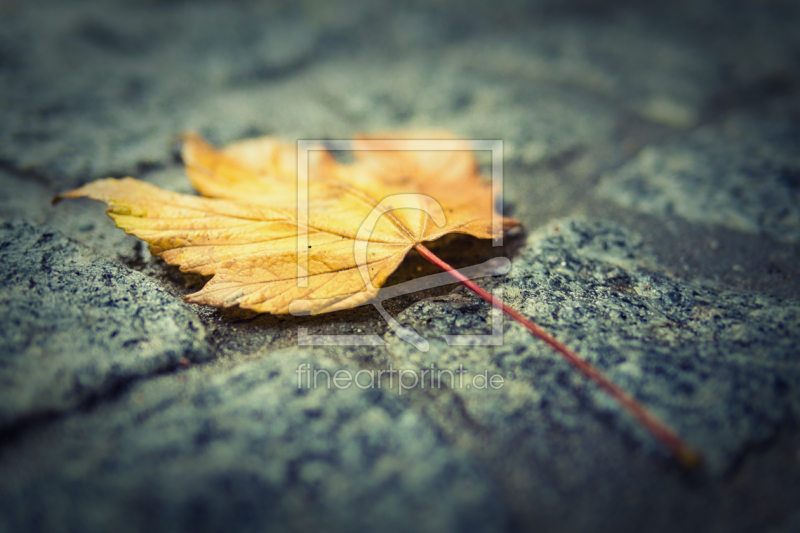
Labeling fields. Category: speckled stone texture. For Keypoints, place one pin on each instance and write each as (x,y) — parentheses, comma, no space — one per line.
(77,326)
(718,365)
(650,151)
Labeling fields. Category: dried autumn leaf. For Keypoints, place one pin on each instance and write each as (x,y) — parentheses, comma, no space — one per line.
(245,233)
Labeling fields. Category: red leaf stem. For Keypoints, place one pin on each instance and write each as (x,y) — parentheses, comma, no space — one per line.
(660,430)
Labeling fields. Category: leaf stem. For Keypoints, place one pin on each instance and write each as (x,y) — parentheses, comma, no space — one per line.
(659,429)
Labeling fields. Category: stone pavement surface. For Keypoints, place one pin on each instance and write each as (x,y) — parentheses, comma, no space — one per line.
(652,153)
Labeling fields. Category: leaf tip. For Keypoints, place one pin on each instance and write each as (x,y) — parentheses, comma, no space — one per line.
(191,140)
(75,193)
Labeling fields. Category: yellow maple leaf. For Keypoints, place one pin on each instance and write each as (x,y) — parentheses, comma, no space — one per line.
(362,218)
(266,250)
